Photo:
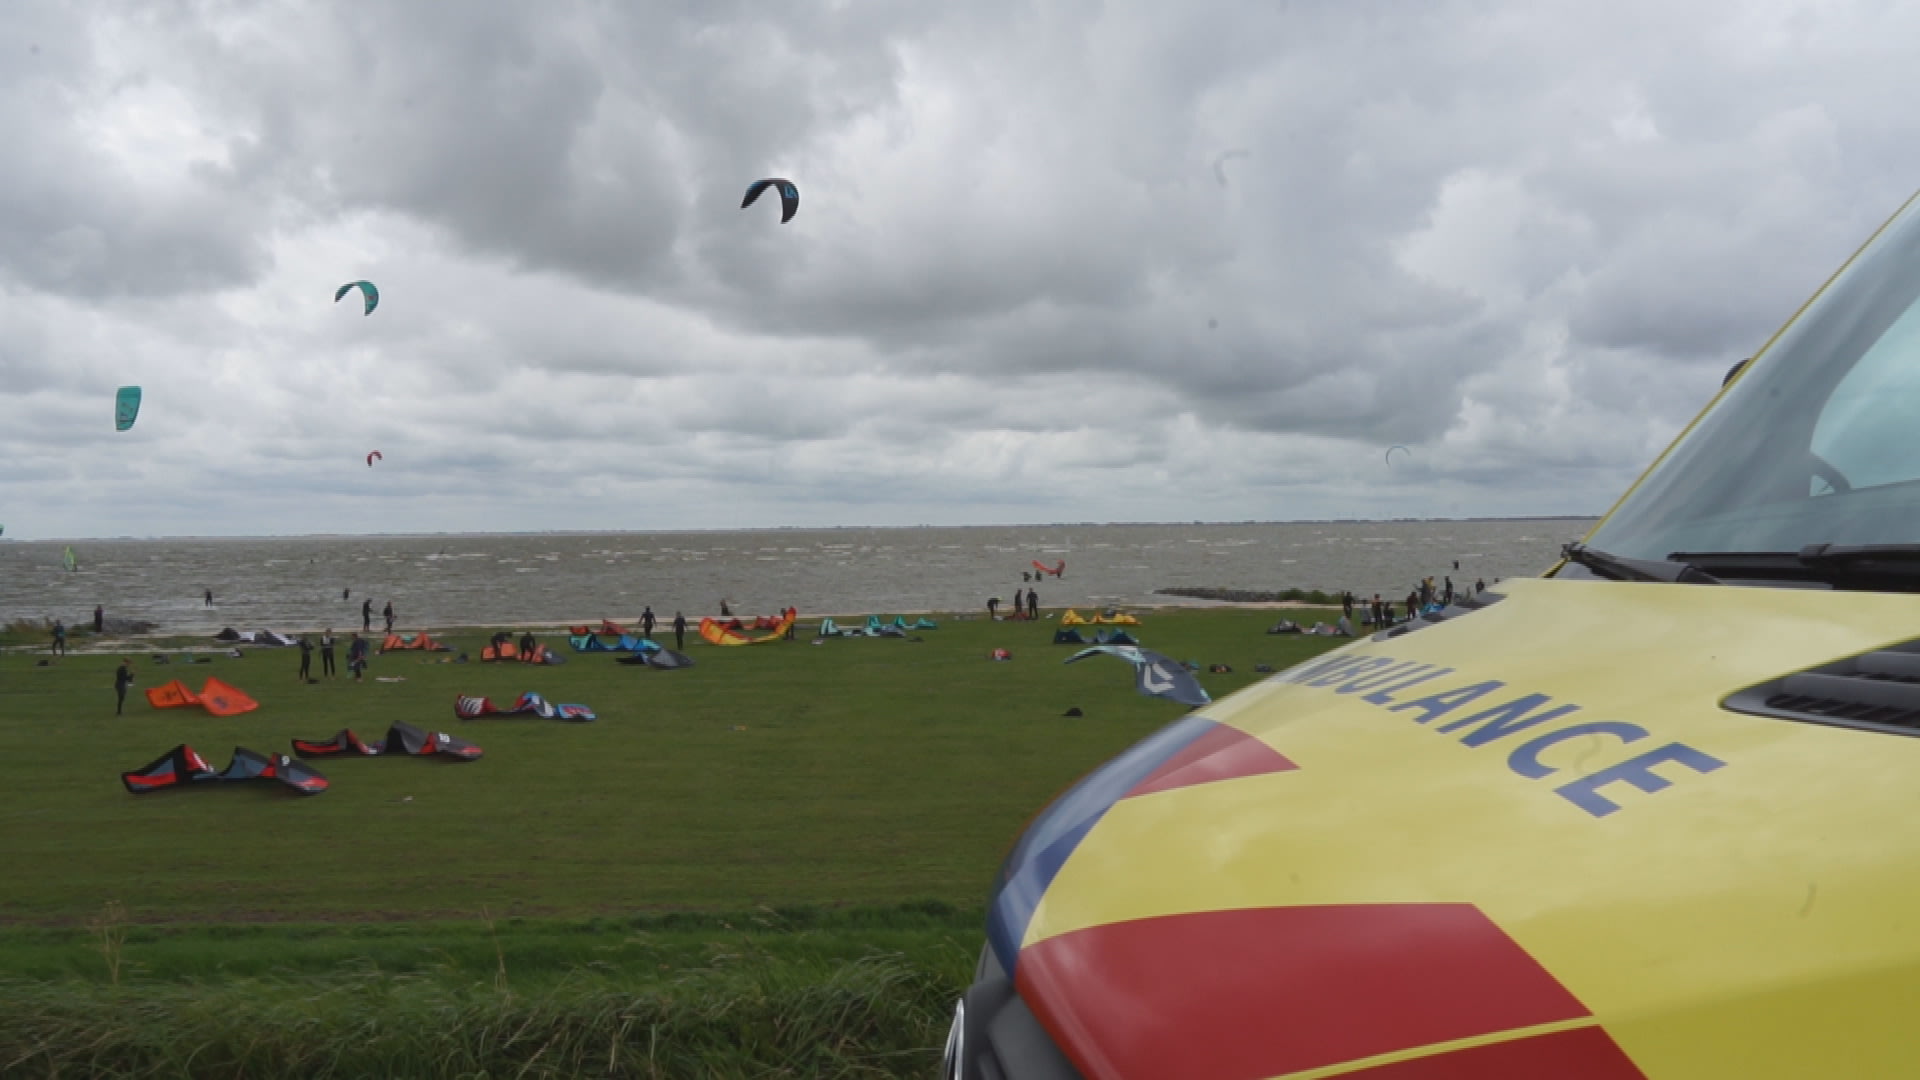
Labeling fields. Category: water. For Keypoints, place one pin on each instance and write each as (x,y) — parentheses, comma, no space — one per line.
(294,583)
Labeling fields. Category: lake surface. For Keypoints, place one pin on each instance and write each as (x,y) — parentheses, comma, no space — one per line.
(295,583)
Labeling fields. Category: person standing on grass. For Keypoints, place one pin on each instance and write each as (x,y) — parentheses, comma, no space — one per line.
(679,631)
(59,638)
(122,678)
(326,653)
(306,659)
(646,622)
(387,613)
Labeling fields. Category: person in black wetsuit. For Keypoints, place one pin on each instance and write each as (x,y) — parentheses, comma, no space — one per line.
(122,679)
(326,653)
(646,622)
(387,614)
(366,615)
(679,631)
(306,658)
(528,643)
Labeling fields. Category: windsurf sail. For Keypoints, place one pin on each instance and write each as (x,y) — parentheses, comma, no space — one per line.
(70,561)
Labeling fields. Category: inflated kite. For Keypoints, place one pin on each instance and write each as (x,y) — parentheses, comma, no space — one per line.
(371,294)
(1155,675)
(468,707)
(126,407)
(402,739)
(183,767)
(789,196)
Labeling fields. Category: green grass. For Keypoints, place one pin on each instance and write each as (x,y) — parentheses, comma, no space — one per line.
(558,907)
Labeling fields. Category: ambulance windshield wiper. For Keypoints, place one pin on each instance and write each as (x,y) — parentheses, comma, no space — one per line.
(1832,563)
(1621,568)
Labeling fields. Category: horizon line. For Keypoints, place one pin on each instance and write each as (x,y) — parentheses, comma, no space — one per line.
(797,528)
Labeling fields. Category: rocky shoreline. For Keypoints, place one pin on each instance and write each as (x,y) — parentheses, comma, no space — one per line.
(1250,596)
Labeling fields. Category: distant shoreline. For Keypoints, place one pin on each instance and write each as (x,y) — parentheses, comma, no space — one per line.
(797,528)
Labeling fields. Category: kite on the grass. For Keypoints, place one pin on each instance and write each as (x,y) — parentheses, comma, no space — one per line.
(664,659)
(468,707)
(402,739)
(715,632)
(215,696)
(1155,675)
(183,767)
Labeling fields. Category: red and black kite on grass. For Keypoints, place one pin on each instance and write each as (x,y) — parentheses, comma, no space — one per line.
(182,767)
(402,739)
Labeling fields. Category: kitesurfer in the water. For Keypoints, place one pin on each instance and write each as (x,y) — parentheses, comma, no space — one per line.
(208,599)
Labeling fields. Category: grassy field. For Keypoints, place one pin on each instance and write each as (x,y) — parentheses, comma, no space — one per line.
(847,803)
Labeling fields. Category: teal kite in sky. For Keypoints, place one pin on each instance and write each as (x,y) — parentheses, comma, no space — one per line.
(366,288)
(126,407)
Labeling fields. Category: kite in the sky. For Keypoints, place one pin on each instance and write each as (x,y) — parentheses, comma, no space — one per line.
(789,196)
(1155,675)
(1402,449)
(1219,165)
(126,407)
(366,288)
(371,457)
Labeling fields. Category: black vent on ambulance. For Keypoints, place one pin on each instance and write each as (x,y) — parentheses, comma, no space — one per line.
(1877,691)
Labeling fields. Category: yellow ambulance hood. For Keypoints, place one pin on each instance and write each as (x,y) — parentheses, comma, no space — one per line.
(1526,841)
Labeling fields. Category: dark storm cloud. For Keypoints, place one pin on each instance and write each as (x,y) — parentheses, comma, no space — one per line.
(1525,239)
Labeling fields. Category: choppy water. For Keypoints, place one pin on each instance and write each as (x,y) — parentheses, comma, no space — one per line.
(295,583)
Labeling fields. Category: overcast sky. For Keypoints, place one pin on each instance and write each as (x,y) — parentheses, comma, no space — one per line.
(1055,260)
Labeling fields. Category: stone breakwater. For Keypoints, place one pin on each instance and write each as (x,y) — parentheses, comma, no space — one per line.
(1248,596)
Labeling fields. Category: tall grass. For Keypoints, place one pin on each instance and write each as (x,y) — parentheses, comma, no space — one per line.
(881,1016)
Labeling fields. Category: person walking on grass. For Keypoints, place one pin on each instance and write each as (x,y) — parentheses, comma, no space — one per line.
(646,622)
(122,678)
(680,631)
(326,653)
(59,638)
(1033,604)
(306,659)
(357,656)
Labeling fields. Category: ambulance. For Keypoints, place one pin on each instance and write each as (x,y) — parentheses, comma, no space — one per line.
(1654,814)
